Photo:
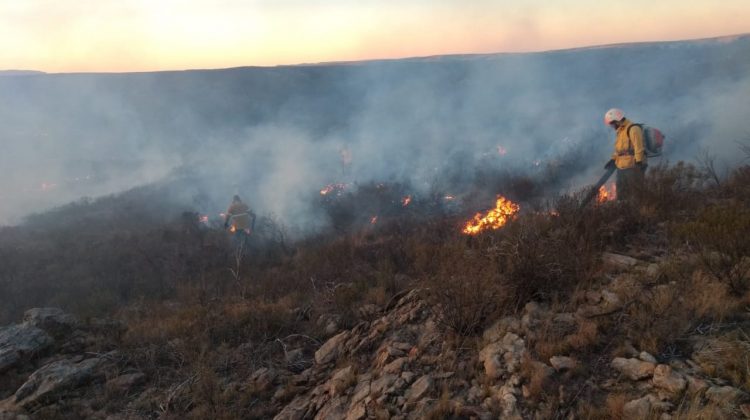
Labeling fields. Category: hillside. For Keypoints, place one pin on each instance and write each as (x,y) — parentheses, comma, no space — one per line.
(620,310)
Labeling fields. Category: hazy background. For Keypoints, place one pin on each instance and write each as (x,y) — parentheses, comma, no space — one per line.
(274,134)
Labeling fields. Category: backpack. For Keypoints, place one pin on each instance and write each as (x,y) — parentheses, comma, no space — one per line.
(653,139)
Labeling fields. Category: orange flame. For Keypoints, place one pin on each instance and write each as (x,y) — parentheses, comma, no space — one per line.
(406,200)
(495,219)
(337,188)
(232,229)
(606,193)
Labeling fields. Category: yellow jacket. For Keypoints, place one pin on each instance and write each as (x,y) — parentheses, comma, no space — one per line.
(629,150)
(239,215)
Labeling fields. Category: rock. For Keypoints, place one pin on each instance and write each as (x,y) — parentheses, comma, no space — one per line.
(696,385)
(263,378)
(723,394)
(342,380)
(357,412)
(490,358)
(408,377)
(419,388)
(330,323)
(380,385)
(647,357)
(563,363)
(331,348)
(52,320)
(637,409)
(54,380)
(396,366)
(618,260)
(645,407)
(335,408)
(295,410)
(501,327)
(669,380)
(125,383)
(633,368)
(361,391)
(19,342)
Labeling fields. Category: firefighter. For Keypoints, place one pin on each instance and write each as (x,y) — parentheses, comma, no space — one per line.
(630,154)
(242,220)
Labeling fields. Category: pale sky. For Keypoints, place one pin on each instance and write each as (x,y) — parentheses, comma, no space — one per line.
(144,35)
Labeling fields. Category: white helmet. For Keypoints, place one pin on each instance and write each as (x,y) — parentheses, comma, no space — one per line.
(612,115)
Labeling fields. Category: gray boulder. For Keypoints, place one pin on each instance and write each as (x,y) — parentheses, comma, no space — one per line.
(52,320)
(54,380)
(20,342)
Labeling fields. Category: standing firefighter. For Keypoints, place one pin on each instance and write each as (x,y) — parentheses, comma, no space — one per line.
(241,220)
(630,153)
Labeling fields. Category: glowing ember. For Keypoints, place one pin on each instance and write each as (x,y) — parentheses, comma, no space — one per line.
(606,193)
(494,219)
(406,200)
(373,220)
(333,188)
(449,198)
(232,229)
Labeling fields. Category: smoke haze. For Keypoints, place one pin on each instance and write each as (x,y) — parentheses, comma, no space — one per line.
(274,135)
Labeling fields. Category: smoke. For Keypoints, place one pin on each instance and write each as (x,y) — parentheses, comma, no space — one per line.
(274,135)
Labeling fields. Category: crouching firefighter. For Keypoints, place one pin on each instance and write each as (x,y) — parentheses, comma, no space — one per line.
(630,154)
(242,221)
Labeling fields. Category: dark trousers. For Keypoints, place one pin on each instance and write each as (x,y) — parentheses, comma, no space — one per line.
(629,182)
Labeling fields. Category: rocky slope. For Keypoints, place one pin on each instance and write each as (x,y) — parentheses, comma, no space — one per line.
(399,363)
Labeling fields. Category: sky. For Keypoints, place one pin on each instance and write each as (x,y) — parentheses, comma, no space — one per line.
(148,35)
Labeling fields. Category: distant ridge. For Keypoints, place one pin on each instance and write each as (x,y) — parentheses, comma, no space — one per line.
(695,41)
(19,72)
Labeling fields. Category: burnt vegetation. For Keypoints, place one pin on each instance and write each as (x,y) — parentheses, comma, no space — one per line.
(197,311)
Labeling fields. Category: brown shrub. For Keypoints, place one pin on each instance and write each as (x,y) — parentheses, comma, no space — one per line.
(468,291)
(719,234)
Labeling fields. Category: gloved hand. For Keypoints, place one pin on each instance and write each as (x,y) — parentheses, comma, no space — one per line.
(610,164)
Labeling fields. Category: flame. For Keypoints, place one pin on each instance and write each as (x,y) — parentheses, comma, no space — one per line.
(606,193)
(337,188)
(449,198)
(373,220)
(232,229)
(495,218)
(406,200)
